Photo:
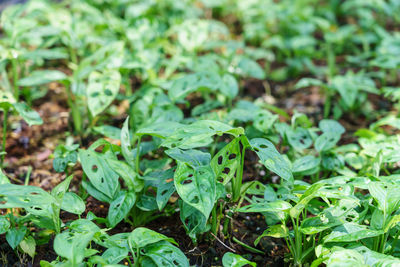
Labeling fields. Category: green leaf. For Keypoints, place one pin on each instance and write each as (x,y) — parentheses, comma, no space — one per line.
(72,246)
(331,126)
(250,68)
(127,173)
(308,195)
(73,203)
(226,161)
(126,146)
(4,225)
(192,157)
(115,255)
(14,236)
(28,114)
(33,199)
(346,258)
(102,177)
(233,260)
(278,205)
(326,141)
(40,77)
(164,253)
(141,237)
(3,178)
(306,165)
(164,182)
(229,86)
(276,231)
(102,90)
(199,134)
(197,187)
(299,139)
(28,246)
(120,207)
(271,158)
(349,232)
(386,195)
(108,131)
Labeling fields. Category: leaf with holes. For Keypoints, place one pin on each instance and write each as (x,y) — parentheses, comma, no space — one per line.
(197,187)
(226,161)
(271,158)
(72,245)
(164,253)
(102,90)
(102,177)
(233,260)
(33,199)
(326,141)
(192,157)
(120,207)
(299,139)
(28,114)
(199,134)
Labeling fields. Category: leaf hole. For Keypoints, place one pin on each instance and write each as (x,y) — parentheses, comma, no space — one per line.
(220,160)
(232,156)
(108,92)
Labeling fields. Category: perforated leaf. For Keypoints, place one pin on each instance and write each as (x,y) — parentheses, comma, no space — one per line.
(197,187)
(226,161)
(102,90)
(102,177)
(120,207)
(271,158)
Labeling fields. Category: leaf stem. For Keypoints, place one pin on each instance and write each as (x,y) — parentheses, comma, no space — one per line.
(3,145)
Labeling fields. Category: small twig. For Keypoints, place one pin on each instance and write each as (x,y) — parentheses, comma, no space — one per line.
(231,249)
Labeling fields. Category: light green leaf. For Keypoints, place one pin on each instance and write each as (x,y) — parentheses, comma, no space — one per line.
(233,260)
(28,114)
(142,237)
(102,90)
(73,203)
(120,207)
(40,77)
(271,158)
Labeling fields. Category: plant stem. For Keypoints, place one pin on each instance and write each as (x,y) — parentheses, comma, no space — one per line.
(237,181)
(138,155)
(14,65)
(3,145)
